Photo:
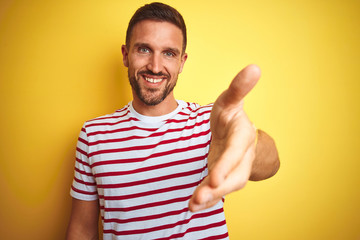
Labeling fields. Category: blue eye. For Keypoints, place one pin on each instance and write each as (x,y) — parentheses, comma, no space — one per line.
(143,50)
(169,54)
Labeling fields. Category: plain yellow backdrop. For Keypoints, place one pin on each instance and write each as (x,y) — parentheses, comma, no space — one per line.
(61,64)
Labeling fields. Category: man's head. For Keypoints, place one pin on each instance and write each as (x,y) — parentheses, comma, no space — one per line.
(154,53)
(158,12)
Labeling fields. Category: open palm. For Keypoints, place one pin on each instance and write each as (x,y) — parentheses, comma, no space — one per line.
(232,148)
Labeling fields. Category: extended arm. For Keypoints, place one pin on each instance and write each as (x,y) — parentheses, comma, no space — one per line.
(234,158)
(83,221)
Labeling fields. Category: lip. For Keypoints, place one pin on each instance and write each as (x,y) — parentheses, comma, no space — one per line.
(153,80)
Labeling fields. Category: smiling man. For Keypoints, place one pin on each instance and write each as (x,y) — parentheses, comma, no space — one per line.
(154,63)
(159,168)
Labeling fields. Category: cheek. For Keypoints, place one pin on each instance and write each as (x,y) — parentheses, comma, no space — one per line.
(173,67)
(139,64)
(135,67)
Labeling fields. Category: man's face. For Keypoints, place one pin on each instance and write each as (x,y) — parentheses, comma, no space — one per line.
(154,59)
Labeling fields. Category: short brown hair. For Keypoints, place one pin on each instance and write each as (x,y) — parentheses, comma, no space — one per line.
(158,12)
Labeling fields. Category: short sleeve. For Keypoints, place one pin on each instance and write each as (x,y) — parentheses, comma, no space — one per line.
(84,184)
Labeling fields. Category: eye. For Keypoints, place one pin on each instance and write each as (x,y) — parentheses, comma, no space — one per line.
(169,54)
(143,50)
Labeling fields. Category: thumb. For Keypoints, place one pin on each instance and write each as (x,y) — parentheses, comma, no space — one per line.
(241,85)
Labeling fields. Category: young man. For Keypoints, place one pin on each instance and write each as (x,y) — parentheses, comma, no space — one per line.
(158,168)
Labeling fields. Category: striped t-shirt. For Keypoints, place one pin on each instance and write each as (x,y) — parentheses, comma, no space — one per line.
(144,170)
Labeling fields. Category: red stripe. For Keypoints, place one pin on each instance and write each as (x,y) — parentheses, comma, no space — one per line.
(152,180)
(85,183)
(82,162)
(133,160)
(147,205)
(145,169)
(217,237)
(186,119)
(83,192)
(82,151)
(83,172)
(196,108)
(146,218)
(172,225)
(155,134)
(111,123)
(83,141)
(195,229)
(122,109)
(111,116)
(189,118)
(152,192)
(145,147)
(122,130)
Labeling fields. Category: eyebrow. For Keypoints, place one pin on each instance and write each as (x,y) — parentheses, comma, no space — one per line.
(175,50)
(136,45)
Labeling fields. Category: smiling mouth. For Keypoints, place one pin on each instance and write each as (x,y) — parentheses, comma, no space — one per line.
(153,80)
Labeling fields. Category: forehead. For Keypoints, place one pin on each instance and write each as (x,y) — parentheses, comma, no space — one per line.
(157,33)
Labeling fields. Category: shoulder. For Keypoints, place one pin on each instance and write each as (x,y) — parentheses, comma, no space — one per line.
(120,115)
(195,108)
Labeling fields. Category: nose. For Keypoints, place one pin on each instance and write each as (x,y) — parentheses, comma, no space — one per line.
(155,63)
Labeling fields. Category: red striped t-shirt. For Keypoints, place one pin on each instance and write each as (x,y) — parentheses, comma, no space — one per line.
(143,170)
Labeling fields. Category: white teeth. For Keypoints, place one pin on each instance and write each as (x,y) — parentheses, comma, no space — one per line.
(153,80)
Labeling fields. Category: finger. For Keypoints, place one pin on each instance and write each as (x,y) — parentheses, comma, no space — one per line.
(241,85)
(237,178)
(205,196)
(232,156)
(200,196)
(228,160)
(202,192)
(198,207)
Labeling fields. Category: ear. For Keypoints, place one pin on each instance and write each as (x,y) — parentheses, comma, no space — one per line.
(125,54)
(183,60)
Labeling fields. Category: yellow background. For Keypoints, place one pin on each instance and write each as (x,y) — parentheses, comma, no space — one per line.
(61,64)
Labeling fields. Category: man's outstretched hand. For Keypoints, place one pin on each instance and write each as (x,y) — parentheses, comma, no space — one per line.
(232,149)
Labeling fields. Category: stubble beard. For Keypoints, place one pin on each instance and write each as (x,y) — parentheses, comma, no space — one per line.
(150,96)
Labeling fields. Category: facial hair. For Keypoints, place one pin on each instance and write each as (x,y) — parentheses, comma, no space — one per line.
(149,96)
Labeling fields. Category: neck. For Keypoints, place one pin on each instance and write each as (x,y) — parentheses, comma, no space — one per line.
(168,105)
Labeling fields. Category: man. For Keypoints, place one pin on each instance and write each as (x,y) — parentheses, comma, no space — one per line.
(149,167)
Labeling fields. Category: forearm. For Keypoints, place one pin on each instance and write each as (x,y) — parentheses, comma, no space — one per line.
(84,220)
(266,162)
(78,233)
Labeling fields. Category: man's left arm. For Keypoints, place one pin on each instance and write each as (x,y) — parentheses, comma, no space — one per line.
(266,162)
